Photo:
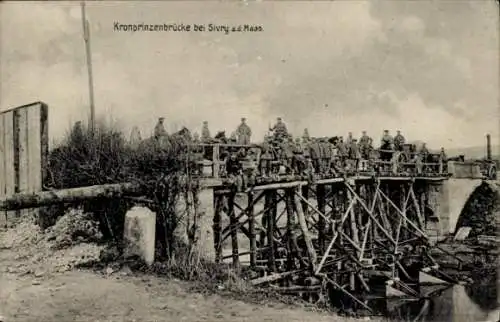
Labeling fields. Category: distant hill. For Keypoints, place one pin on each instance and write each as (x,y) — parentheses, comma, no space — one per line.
(475,152)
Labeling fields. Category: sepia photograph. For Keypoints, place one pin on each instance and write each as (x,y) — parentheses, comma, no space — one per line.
(250,160)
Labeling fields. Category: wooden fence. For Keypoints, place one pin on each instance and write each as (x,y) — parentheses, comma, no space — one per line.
(23,151)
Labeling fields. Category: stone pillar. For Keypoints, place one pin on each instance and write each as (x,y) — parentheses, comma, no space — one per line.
(206,241)
(139,234)
(438,201)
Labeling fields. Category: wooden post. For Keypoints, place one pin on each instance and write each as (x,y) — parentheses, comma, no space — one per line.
(402,202)
(17,164)
(290,225)
(354,228)
(217,227)
(320,195)
(305,194)
(233,222)
(305,232)
(270,206)
(216,161)
(251,228)
(355,238)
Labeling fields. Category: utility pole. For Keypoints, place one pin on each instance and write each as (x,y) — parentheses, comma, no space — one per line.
(86,38)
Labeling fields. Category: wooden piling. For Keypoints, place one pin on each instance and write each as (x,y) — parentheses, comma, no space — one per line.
(305,232)
(270,212)
(290,225)
(320,196)
(233,222)
(217,227)
(251,228)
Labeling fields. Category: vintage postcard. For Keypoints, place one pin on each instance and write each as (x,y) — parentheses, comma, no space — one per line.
(249,160)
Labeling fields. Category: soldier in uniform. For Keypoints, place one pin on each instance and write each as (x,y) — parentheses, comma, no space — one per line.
(349,139)
(234,170)
(354,155)
(198,154)
(196,138)
(205,133)
(386,143)
(365,145)
(424,152)
(298,162)
(326,155)
(443,161)
(399,141)
(287,148)
(265,158)
(233,139)
(343,152)
(160,129)
(135,137)
(305,136)
(315,153)
(244,133)
(280,130)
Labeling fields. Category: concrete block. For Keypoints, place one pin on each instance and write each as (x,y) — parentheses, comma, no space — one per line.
(206,241)
(139,234)
(462,233)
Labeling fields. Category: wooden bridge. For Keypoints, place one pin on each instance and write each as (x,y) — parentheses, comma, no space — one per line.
(351,231)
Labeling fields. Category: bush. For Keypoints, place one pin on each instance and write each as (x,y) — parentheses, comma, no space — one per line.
(105,157)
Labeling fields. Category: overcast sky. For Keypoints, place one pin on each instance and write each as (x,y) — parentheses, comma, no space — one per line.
(429,69)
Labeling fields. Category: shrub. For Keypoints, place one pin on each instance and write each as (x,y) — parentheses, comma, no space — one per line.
(84,158)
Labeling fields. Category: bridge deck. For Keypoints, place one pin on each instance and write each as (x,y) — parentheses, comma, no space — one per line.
(293,181)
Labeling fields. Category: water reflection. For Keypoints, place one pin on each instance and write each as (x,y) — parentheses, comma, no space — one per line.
(453,304)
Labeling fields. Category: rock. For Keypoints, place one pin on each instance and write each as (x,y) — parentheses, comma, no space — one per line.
(39,273)
(109,271)
(35,283)
(2,319)
(125,271)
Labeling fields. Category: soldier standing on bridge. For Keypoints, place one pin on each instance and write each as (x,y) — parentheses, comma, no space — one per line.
(244,133)
(315,153)
(234,170)
(326,155)
(365,145)
(424,153)
(205,133)
(160,129)
(349,139)
(265,158)
(298,162)
(386,144)
(287,148)
(443,161)
(399,141)
(280,130)
(233,139)
(343,152)
(305,136)
(196,138)
(354,155)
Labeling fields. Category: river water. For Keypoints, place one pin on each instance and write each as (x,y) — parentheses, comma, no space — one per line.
(476,302)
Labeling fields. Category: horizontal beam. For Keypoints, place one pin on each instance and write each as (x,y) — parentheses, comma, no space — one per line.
(73,195)
(279,185)
(329,180)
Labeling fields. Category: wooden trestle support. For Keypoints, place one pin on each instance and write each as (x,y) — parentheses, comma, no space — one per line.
(352,237)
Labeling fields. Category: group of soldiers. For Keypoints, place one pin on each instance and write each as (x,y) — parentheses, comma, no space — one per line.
(280,152)
(334,155)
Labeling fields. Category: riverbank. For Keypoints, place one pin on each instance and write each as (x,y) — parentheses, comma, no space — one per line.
(38,283)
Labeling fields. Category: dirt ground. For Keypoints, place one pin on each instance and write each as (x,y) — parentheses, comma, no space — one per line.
(40,295)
